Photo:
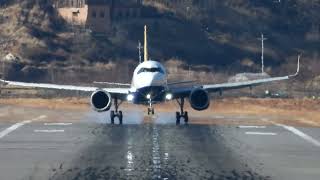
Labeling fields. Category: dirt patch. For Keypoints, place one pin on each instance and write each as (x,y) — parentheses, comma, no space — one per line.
(65,103)
(299,112)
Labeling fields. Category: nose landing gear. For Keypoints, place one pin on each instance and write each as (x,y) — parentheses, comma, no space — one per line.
(116,113)
(150,108)
(182,114)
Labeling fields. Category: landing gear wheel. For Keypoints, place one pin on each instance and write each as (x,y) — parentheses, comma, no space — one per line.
(178,118)
(150,111)
(186,118)
(112,117)
(120,117)
(182,113)
(116,113)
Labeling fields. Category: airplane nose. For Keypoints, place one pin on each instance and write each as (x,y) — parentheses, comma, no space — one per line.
(150,80)
(145,81)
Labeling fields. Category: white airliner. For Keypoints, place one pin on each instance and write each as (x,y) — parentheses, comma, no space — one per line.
(150,86)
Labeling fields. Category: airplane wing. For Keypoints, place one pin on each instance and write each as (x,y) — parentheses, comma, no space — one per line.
(180,82)
(112,91)
(238,85)
(185,91)
(112,83)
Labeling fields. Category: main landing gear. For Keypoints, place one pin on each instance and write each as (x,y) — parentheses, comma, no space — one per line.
(116,113)
(182,113)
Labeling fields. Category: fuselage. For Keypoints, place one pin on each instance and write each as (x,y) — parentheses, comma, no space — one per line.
(149,83)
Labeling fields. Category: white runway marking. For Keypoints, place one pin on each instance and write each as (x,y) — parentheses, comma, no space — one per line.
(12,128)
(57,124)
(156,159)
(297,132)
(39,118)
(301,134)
(261,133)
(49,130)
(219,117)
(258,127)
(18,125)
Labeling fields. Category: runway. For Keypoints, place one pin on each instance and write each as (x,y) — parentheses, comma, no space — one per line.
(40,143)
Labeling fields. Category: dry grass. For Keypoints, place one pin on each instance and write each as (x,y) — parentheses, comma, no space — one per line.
(65,103)
(302,112)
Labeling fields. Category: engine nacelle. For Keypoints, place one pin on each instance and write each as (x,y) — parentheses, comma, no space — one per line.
(101,101)
(199,99)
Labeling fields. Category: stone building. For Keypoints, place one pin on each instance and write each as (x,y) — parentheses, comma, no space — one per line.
(70,3)
(98,15)
(178,4)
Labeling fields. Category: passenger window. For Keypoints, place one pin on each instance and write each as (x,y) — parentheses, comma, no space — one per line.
(101,14)
(94,14)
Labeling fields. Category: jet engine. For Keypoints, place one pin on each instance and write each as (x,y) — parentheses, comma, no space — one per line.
(101,101)
(199,99)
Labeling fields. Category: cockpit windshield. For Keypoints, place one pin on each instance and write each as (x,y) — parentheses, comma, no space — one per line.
(155,69)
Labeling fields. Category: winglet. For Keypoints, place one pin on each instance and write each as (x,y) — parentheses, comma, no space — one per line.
(298,67)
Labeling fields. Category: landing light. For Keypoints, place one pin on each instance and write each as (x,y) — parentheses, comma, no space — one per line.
(267,92)
(148,96)
(130,97)
(168,96)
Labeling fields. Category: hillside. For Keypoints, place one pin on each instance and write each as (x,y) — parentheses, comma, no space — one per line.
(222,38)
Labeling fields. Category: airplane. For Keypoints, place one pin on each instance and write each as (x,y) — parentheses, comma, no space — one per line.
(150,86)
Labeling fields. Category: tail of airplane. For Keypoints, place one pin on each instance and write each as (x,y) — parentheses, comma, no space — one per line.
(145,44)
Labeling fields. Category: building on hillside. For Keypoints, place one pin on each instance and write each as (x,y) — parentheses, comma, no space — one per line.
(98,15)
(70,3)
(203,4)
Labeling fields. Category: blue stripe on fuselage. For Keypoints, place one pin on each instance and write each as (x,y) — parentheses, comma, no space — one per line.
(157,94)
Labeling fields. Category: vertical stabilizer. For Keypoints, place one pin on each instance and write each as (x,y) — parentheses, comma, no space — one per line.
(145,44)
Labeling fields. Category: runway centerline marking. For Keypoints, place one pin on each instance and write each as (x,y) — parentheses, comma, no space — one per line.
(257,127)
(300,134)
(48,130)
(130,156)
(57,124)
(18,125)
(156,160)
(261,133)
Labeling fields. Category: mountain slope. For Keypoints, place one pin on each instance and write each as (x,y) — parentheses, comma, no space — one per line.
(223,36)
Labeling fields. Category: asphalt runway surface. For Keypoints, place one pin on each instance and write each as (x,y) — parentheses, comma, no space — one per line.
(64,144)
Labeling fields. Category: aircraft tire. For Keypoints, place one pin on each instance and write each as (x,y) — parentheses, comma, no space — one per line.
(186,118)
(178,121)
(178,118)
(112,117)
(120,117)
